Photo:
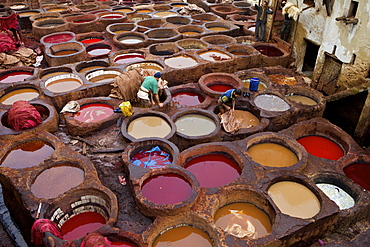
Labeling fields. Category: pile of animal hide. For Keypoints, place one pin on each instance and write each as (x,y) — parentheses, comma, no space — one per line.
(22,57)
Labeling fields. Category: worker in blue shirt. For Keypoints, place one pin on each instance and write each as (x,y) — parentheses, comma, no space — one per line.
(226,98)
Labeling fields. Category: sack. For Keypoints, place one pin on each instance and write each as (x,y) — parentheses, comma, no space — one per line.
(126,108)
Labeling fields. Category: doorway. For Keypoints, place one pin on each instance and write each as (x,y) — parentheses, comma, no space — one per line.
(310,57)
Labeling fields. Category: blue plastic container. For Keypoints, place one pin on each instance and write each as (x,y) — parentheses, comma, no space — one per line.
(253,85)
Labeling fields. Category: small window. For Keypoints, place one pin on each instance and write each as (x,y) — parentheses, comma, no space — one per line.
(353,9)
(309,2)
(329,6)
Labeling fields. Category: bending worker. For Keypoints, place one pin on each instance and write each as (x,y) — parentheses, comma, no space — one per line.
(226,98)
(149,86)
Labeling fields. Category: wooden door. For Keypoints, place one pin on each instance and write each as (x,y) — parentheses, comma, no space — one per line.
(329,76)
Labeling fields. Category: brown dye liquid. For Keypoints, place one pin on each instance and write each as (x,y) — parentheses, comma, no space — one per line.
(56,10)
(273,155)
(246,119)
(218,29)
(190,33)
(83,70)
(180,62)
(27,14)
(283,79)
(123,10)
(214,56)
(53,74)
(195,125)
(144,11)
(243,220)
(19,94)
(183,236)
(103,78)
(148,126)
(302,99)
(65,52)
(294,199)
(120,31)
(63,85)
(164,14)
(56,180)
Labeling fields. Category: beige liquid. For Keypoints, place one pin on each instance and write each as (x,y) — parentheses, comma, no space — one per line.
(243,220)
(148,126)
(302,99)
(246,119)
(183,236)
(48,75)
(218,29)
(164,14)
(83,70)
(63,85)
(294,199)
(56,180)
(190,33)
(214,56)
(272,154)
(180,62)
(195,125)
(20,94)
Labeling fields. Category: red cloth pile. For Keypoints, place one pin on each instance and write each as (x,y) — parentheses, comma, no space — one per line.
(41,226)
(8,22)
(23,116)
(7,43)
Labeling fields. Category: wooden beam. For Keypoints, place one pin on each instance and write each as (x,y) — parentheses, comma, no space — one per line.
(363,122)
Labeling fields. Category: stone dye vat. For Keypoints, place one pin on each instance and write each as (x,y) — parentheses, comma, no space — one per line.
(218,59)
(191,31)
(164,49)
(98,50)
(148,24)
(158,35)
(63,83)
(128,57)
(148,124)
(103,75)
(180,62)
(117,28)
(27,154)
(191,44)
(178,20)
(15,75)
(356,167)
(56,38)
(130,40)
(214,84)
(44,27)
(64,53)
(271,55)
(271,102)
(189,95)
(84,67)
(219,40)
(145,65)
(225,28)
(25,93)
(321,146)
(48,73)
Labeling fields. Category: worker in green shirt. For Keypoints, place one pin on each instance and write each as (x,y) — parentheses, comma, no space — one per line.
(149,86)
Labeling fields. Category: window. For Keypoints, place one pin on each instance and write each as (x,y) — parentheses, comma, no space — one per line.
(329,6)
(353,9)
(309,2)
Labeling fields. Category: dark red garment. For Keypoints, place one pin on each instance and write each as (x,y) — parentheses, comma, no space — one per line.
(41,226)
(7,43)
(94,239)
(8,22)
(23,116)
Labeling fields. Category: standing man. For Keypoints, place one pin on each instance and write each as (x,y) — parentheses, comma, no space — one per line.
(226,98)
(262,12)
(287,23)
(149,86)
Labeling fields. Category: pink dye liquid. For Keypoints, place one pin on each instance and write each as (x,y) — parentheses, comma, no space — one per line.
(359,173)
(187,98)
(213,170)
(122,244)
(220,87)
(123,59)
(58,38)
(322,147)
(156,159)
(166,189)
(91,40)
(15,76)
(82,21)
(81,224)
(93,113)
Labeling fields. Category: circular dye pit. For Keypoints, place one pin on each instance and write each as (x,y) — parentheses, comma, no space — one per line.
(214,56)
(218,29)
(92,67)
(272,155)
(294,199)
(145,65)
(322,147)
(148,126)
(94,113)
(111,16)
(283,79)
(243,220)
(58,38)
(15,76)
(270,51)
(63,83)
(65,52)
(81,224)
(28,13)
(27,154)
(52,74)
(220,87)
(187,98)
(56,180)
(91,40)
(131,40)
(166,189)
(271,102)
(304,100)
(213,170)
(99,51)
(359,173)
(102,76)
(129,58)
(152,158)
(164,14)
(25,94)
(180,62)
(245,119)
(182,236)
(195,125)
(247,83)
(337,195)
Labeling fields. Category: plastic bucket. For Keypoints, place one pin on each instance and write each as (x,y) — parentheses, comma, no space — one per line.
(253,85)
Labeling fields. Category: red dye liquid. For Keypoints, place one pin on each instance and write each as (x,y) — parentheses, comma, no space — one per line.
(213,170)
(82,21)
(91,40)
(150,159)
(270,51)
(81,224)
(220,87)
(187,98)
(15,76)
(359,173)
(122,244)
(94,113)
(322,147)
(166,189)
(58,38)
(123,59)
